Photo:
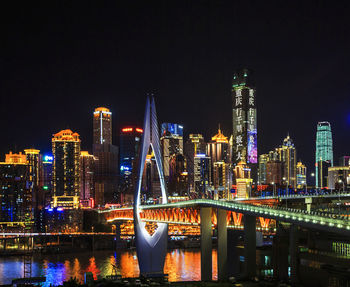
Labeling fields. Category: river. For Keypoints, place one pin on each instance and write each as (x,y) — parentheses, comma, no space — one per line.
(180,265)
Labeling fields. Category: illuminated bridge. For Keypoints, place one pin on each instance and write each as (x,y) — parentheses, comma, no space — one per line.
(188,213)
(206,213)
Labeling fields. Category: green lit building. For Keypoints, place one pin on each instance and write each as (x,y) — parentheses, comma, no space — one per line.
(324,147)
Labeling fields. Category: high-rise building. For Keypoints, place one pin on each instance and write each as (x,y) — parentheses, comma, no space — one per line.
(46,178)
(171,144)
(87,163)
(243,180)
(34,161)
(301,175)
(322,173)
(324,146)
(66,169)
(172,148)
(106,155)
(219,152)
(244,120)
(194,145)
(263,159)
(339,178)
(274,171)
(201,176)
(344,160)
(15,190)
(177,181)
(287,155)
(129,141)
(102,125)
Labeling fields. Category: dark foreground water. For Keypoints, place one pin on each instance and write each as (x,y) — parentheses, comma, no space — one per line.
(181,265)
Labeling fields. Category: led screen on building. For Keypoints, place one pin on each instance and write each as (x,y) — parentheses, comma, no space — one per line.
(252,147)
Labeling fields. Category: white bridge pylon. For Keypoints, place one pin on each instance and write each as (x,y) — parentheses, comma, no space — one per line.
(151,249)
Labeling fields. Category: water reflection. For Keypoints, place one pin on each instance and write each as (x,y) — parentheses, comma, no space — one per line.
(181,265)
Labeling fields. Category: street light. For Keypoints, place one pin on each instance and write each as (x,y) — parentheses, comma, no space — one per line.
(273,189)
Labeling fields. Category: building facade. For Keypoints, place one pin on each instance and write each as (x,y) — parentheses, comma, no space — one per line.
(218,149)
(102,126)
(244,119)
(66,169)
(201,176)
(193,146)
(301,175)
(15,190)
(287,155)
(87,186)
(129,143)
(106,156)
(324,147)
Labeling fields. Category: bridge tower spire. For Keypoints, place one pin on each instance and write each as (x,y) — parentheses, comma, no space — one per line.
(151,249)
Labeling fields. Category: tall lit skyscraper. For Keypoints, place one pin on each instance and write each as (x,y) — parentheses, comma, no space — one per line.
(287,155)
(244,119)
(263,159)
(106,155)
(301,175)
(15,189)
(102,125)
(171,141)
(219,152)
(87,163)
(324,147)
(66,169)
(193,146)
(202,176)
(129,140)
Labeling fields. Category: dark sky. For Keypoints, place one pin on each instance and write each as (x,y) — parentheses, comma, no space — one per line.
(60,60)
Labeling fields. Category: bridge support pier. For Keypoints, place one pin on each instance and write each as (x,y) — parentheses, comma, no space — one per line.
(293,253)
(249,245)
(280,254)
(206,244)
(222,244)
(233,238)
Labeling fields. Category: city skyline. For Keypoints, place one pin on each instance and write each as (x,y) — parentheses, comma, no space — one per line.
(299,54)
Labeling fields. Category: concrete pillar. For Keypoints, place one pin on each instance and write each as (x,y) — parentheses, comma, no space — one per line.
(280,254)
(206,244)
(293,253)
(249,246)
(222,245)
(233,238)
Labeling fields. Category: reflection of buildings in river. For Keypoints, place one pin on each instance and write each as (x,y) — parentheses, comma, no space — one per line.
(128,264)
(93,268)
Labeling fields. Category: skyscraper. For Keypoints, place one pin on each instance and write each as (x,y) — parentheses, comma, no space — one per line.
(201,176)
(244,119)
(219,152)
(66,169)
(263,159)
(301,175)
(193,146)
(324,147)
(129,140)
(15,189)
(171,143)
(106,155)
(87,163)
(287,155)
(102,125)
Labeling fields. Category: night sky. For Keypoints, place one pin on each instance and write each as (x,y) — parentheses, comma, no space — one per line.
(60,60)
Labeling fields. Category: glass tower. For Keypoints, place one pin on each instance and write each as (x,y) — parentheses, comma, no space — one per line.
(324,146)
